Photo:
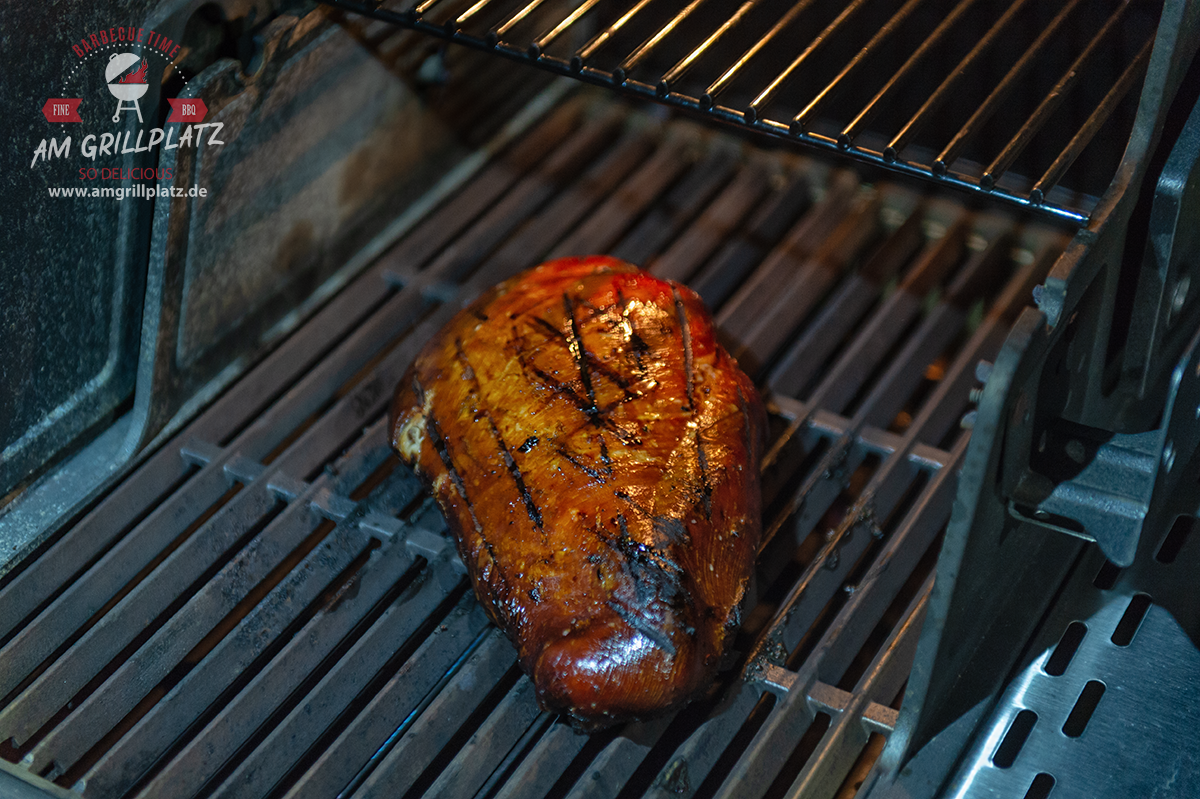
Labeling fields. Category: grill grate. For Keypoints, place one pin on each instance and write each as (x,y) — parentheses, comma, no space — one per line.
(997,98)
(267,607)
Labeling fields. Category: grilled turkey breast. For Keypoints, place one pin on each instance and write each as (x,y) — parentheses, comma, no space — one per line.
(595,453)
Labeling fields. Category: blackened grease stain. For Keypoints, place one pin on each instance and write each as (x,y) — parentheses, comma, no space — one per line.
(658,593)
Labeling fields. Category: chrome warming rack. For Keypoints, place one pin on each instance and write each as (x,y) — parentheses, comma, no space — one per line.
(1028,103)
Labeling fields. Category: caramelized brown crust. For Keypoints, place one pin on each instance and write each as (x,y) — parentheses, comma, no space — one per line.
(595,453)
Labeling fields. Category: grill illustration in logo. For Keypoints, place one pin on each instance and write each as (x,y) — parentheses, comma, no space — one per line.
(129,87)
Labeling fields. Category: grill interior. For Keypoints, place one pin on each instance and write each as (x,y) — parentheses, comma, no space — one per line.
(267,606)
(1028,103)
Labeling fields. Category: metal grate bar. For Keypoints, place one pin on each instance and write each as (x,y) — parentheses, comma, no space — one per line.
(613,767)
(1083,136)
(237,720)
(605,225)
(647,47)
(462,18)
(924,520)
(546,39)
(514,20)
(399,700)
(847,376)
(589,49)
(1049,103)
(872,108)
(74,607)
(801,362)
(119,767)
(737,316)
(942,92)
(714,226)
(800,121)
(535,732)
(465,253)
(949,395)
(483,751)
(888,395)
(799,611)
(1007,83)
(708,99)
(792,715)
(702,749)
(848,734)
(767,330)
(600,38)
(663,222)
(40,700)
(829,425)
(403,766)
(822,38)
(597,184)
(318,709)
(93,717)
(541,768)
(680,69)
(115,771)
(204,549)
(738,257)
(847,633)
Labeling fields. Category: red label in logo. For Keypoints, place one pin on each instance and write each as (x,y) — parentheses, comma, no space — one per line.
(187,109)
(62,110)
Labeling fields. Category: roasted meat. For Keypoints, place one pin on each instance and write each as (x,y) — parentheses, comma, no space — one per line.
(595,452)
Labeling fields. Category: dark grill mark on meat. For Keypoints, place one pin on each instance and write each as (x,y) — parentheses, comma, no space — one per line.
(637,345)
(637,553)
(579,350)
(686,335)
(646,512)
(595,363)
(535,513)
(669,528)
(434,431)
(689,371)
(572,459)
(705,486)
(604,458)
(635,620)
(597,419)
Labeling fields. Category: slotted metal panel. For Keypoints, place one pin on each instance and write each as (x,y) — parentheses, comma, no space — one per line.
(997,98)
(268,606)
(1105,688)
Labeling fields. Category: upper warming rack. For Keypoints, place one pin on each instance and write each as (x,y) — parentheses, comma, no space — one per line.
(1031,103)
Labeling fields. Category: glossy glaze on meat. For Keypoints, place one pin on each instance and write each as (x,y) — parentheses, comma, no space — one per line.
(595,453)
